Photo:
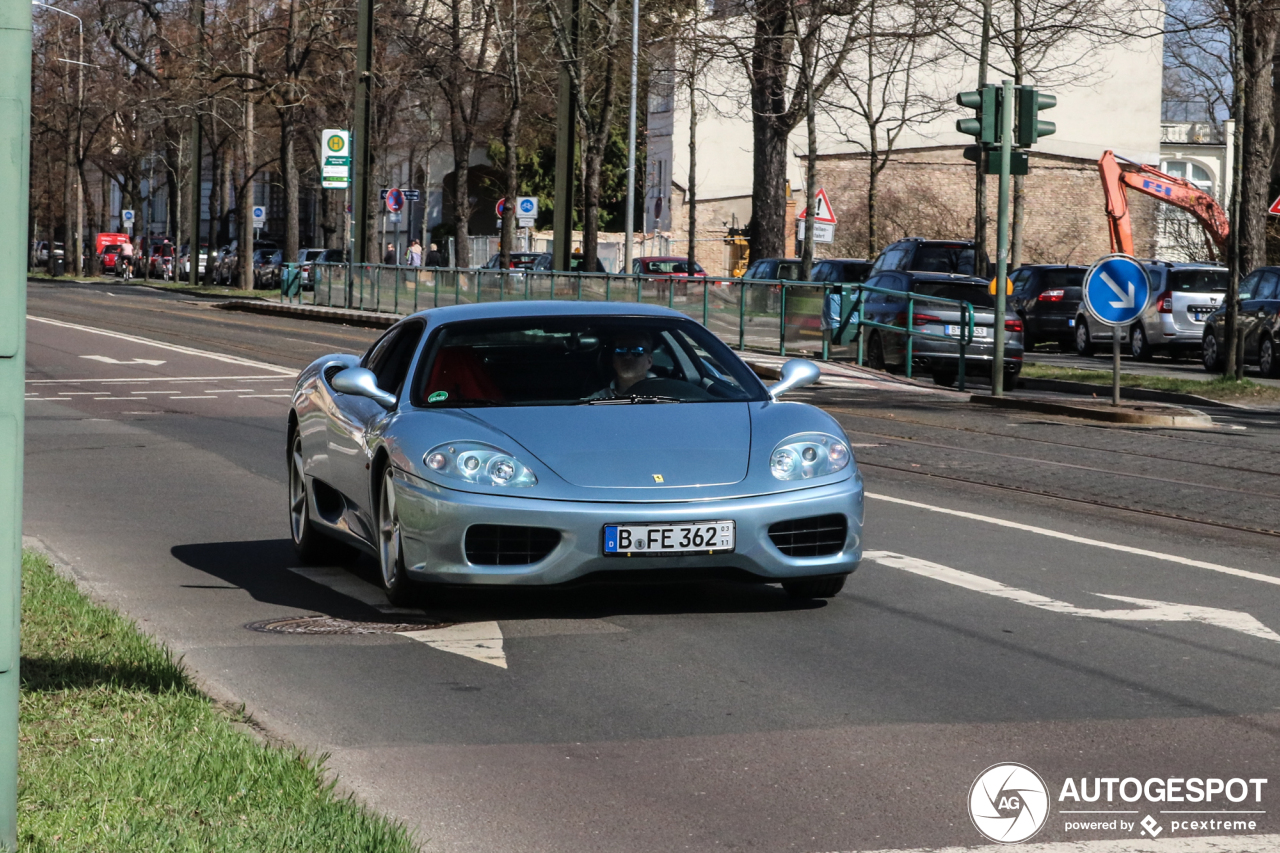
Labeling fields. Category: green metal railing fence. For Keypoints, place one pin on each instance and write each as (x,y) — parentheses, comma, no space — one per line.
(781,316)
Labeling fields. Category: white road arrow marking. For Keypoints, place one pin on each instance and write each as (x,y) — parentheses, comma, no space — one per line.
(480,641)
(1151,611)
(106,359)
(1126,299)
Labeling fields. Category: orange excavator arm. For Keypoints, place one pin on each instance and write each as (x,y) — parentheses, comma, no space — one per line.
(1175,191)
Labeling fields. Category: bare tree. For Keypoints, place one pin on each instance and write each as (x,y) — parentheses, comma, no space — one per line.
(882,92)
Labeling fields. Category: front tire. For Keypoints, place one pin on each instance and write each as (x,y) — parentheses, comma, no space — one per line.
(1139,346)
(1084,346)
(308,541)
(823,587)
(395,580)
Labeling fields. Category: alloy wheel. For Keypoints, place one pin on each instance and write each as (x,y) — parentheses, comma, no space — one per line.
(1210,353)
(1267,357)
(297,492)
(388,534)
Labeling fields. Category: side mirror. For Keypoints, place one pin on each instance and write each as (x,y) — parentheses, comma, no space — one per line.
(361,382)
(796,373)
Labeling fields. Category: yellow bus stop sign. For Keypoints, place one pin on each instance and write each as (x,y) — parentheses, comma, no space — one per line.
(1008,287)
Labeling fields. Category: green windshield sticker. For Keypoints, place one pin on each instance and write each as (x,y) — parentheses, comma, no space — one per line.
(437,396)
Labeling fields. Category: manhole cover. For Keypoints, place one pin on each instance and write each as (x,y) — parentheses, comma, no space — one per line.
(333,625)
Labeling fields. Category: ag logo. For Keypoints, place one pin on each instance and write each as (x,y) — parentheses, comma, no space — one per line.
(336,142)
(1008,803)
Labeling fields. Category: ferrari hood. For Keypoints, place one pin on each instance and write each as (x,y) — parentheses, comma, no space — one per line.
(639,446)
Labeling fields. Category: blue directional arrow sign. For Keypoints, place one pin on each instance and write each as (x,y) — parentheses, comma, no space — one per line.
(1116,290)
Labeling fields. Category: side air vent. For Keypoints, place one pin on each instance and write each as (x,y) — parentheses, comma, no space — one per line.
(332,371)
(509,545)
(818,536)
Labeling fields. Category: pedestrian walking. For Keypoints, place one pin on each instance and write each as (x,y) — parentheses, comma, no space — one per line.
(414,255)
(389,257)
(433,258)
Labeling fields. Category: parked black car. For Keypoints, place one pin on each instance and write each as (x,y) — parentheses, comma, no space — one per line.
(1259,318)
(773,269)
(917,254)
(886,349)
(577,263)
(841,270)
(1046,297)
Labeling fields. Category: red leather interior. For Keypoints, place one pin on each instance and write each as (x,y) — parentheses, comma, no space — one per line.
(459,372)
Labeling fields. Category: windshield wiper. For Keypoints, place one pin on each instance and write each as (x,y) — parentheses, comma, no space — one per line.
(634,398)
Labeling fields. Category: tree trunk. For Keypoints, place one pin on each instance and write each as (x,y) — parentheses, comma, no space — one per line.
(767,232)
(1260,28)
(770,57)
(511,166)
(289,172)
(462,199)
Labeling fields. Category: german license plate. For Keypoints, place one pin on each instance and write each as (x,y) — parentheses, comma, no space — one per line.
(1198,313)
(702,537)
(978,331)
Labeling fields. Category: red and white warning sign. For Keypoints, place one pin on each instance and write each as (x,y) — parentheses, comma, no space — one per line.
(1274,209)
(824,213)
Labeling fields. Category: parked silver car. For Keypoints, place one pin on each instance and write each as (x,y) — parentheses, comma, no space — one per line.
(518,443)
(1182,296)
(885,348)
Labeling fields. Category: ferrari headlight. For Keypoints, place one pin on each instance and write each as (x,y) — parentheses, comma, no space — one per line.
(478,463)
(808,455)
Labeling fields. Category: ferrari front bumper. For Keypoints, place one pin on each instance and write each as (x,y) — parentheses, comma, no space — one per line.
(434,523)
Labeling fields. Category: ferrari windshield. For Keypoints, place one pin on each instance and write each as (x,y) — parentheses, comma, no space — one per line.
(568,360)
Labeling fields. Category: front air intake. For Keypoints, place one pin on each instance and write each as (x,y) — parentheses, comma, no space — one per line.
(818,536)
(508,544)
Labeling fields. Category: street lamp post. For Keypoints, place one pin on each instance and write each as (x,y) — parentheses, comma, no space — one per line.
(79,141)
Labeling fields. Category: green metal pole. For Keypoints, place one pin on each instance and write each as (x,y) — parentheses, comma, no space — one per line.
(15,124)
(566,145)
(1002,236)
(782,321)
(911,328)
(704,302)
(742,316)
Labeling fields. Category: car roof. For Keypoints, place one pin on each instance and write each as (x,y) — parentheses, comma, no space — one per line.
(842,261)
(662,258)
(1052,267)
(1181,265)
(543,308)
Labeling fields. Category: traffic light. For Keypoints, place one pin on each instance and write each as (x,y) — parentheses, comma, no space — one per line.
(1028,127)
(985,126)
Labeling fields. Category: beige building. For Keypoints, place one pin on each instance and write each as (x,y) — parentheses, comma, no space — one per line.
(1201,152)
(1110,101)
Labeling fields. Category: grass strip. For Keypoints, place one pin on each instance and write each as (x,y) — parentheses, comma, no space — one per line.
(1214,387)
(119,750)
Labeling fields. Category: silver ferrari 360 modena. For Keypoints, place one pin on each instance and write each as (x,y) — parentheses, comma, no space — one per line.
(542,442)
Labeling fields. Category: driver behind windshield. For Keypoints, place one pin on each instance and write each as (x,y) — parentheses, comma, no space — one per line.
(631,356)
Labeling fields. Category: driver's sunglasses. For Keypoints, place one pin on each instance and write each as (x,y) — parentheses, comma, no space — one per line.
(632,352)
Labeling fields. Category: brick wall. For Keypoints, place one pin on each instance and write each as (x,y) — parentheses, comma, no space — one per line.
(929,193)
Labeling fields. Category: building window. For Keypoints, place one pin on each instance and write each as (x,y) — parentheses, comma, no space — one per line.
(661,90)
(1188,171)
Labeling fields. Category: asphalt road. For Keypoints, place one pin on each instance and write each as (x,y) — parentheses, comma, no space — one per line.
(1089,602)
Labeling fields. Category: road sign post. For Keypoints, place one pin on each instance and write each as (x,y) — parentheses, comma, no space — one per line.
(335,168)
(1002,237)
(15,121)
(1116,290)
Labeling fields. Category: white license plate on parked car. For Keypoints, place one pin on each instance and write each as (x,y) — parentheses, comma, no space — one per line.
(1198,314)
(701,537)
(978,331)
